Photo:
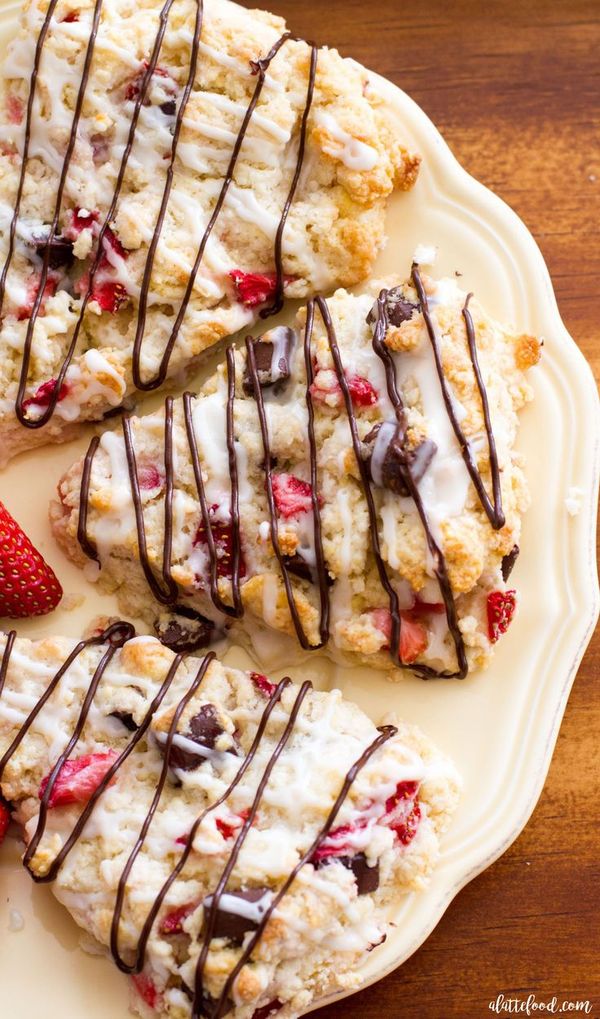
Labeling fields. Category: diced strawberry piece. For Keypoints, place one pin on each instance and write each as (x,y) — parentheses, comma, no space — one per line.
(109,295)
(134,87)
(263,684)
(172,923)
(149,477)
(292,495)
(15,108)
(266,1010)
(413,636)
(222,534)
(6,149)
(78,779)
(70,18)
(4,819)
(424,608)
(110,241)
(402,812)
(228,830)
(44,394)
(336,843)
(501,607)
(146,989)
(28,586)
(326,390)
(362,392)
(79,219)
(33,286)
(181,840)
(254,288)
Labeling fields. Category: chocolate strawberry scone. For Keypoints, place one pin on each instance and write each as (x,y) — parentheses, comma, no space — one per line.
(351,483)
(237,846)
(169,172)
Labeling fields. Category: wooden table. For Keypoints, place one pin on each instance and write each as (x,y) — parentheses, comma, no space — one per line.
(514,86)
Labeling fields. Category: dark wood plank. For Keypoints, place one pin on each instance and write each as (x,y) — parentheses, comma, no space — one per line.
(514,86)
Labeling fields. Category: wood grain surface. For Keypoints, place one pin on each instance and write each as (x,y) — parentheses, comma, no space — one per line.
(514,87)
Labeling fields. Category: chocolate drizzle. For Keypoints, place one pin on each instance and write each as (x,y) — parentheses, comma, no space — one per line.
(116,637)
(493,512)
(410,470)
(259,68)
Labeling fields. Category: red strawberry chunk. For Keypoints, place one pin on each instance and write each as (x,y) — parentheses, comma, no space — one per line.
(44,394)
(266,1010)
(292,495)
(403,812)
(227,829)
(326,390)
(33,286)
(110,241)
(263,684)
(78,779)
(501,607)
(4,819)
(146,989)
(28,586)
(149,477)
(222,534)
(80,219)
(362,392)
(172,923)
(413,636)
(108,295)
(15,108)
(71,17)
(254,288)
(337,843)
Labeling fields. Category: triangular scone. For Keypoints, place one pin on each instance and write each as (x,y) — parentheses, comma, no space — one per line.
(261,782)
(297,208)
(411,560)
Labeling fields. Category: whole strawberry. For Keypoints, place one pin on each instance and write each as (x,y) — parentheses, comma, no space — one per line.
(28,586)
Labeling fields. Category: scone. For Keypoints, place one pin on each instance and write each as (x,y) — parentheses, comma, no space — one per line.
(176,169)
(237,845)
(351,483)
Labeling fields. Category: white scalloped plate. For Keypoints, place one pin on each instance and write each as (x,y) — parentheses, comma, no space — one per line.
(500,727)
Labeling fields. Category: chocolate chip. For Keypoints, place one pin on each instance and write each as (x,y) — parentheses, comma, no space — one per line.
(233,926)
(168,108)
(367,878)
(272,356)
(126,719)
(60,251)
(204,729)
(184,630)
(299,567)
(509,561)
(398,309)
(390,463)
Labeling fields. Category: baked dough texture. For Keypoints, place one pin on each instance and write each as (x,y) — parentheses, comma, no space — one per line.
(388,827)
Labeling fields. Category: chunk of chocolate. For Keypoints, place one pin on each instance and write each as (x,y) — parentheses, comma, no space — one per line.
(184,630)
(390,463)
(204,729)
(367,878)
(60,251)
(509,561)
(397,308)
(233,924)
(272,354)
(126,719)
(168,108)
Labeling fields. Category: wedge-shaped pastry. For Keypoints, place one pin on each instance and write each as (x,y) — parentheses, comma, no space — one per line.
(236,844)
(352,483)
(175,169)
